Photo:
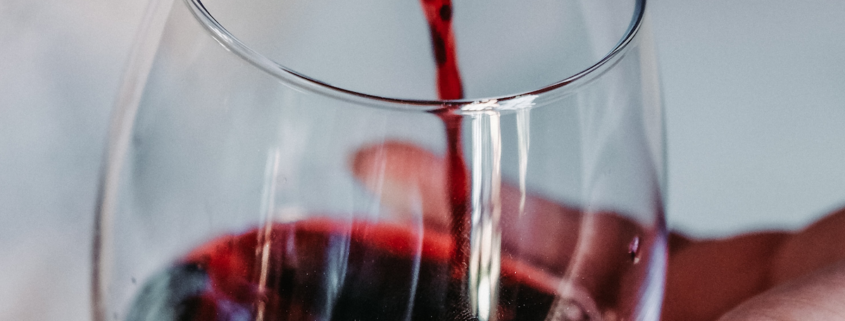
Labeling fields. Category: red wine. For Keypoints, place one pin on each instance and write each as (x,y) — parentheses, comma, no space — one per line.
(438,14)
(322,269)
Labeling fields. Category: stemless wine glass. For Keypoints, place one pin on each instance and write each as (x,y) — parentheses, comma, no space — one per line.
(287,160)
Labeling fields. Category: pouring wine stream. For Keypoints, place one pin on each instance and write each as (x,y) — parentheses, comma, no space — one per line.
(474,201)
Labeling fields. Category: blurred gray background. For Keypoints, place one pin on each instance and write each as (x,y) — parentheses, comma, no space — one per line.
(753,90)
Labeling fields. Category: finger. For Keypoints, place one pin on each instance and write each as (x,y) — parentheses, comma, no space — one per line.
(407,177)
(815,296)
(707,278)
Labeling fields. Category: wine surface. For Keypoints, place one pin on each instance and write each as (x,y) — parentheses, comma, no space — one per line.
(322,269)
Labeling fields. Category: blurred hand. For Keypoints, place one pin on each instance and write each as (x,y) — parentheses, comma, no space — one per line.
(758,276)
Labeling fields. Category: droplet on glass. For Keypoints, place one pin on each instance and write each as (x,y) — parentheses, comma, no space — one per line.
(634,250)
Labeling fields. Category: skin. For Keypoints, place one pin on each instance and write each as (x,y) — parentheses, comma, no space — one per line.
(777,275)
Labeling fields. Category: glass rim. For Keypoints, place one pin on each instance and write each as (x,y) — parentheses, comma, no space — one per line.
(301,81)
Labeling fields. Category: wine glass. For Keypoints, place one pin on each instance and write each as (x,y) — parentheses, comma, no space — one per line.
(385,160)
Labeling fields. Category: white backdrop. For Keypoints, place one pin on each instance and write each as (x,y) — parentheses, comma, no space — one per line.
(754,97)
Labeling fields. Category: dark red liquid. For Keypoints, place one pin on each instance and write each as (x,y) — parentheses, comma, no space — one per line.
(438,14)
(322,269)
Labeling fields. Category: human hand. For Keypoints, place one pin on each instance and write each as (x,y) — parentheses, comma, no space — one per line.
(759,276)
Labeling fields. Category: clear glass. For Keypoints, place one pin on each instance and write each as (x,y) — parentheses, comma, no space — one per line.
(287,160)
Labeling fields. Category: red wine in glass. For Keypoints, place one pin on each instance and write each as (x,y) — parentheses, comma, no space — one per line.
(330,269)
(322,269)
(358,271)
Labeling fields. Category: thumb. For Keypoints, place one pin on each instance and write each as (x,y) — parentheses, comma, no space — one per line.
(408,178)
